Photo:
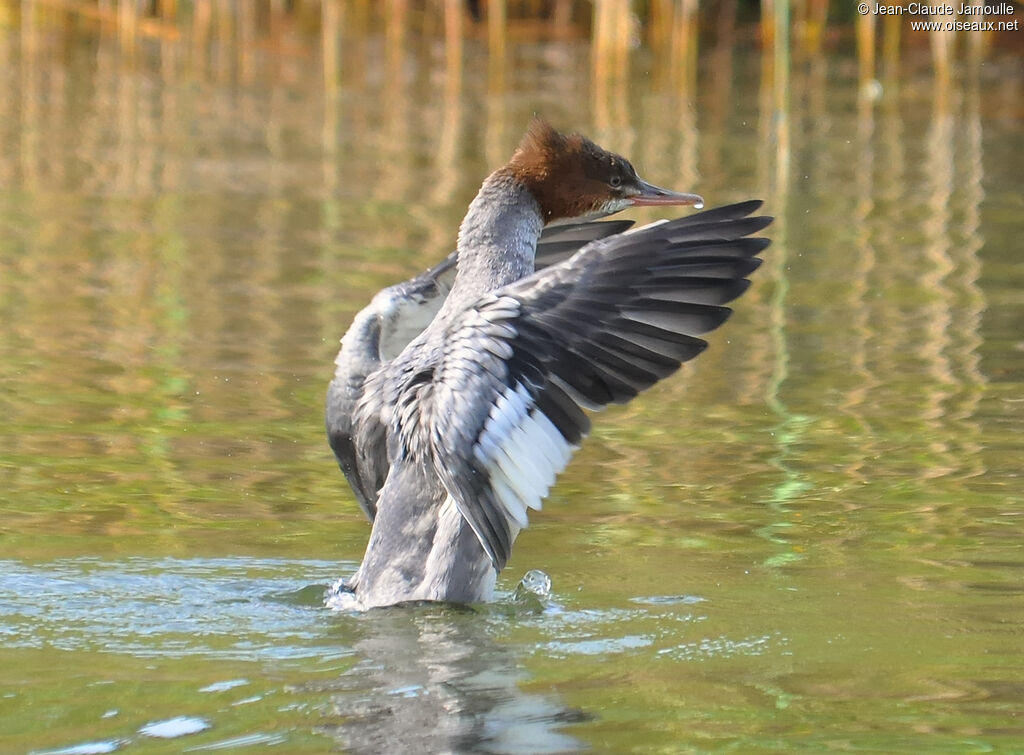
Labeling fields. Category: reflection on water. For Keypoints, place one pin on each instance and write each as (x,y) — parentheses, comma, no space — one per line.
(810,537)
(433,675)
(443,677)
(435,678)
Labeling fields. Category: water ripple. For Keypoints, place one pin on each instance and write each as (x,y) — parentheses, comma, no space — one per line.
(229,608)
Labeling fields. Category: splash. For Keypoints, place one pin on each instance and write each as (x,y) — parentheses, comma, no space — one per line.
(534,583)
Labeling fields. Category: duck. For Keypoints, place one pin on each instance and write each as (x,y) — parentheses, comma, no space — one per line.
(460,395)
(395,316)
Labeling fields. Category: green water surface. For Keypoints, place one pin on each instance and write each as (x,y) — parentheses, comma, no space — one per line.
(810,539)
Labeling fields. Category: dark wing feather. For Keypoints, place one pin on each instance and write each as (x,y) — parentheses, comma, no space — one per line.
(560,242)
(596,329)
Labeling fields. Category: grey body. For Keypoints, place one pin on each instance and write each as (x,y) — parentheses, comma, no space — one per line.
(447,562)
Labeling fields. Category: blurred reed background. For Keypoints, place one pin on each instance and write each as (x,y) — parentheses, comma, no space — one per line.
(229,38)
(197,183)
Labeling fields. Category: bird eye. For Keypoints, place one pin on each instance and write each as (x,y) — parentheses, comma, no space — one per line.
(616,182)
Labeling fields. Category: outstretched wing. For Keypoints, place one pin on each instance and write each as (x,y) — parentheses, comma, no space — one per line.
(380,332)
(519,368)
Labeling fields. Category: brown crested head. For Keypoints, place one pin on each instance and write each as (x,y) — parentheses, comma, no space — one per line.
(572,177)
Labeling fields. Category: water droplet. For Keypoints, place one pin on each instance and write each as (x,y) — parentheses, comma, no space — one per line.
(698,206)
(534,582)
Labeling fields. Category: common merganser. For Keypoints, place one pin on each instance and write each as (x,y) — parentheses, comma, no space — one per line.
(457,400)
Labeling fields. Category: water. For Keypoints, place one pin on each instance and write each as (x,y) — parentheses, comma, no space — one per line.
(810,539)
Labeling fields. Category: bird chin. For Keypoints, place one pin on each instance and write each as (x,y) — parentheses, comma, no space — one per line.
(610,207)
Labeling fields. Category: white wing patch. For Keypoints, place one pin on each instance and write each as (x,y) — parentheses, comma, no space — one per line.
(522,452)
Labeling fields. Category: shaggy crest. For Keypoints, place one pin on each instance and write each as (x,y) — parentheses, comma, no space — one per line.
(566,173)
